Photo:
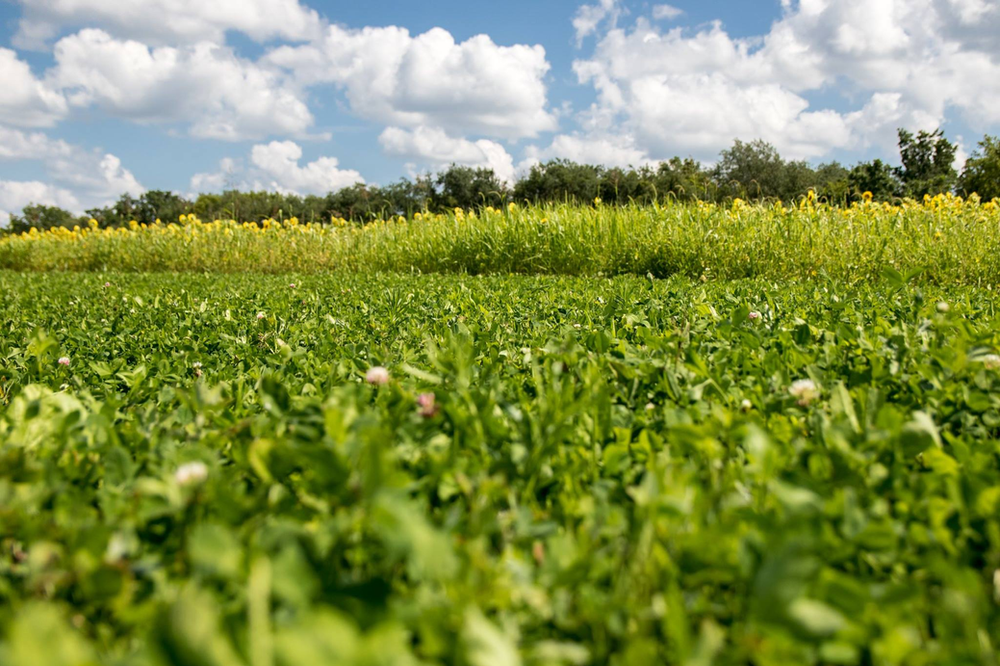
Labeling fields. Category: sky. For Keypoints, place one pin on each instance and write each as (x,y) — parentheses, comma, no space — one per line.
(104,97)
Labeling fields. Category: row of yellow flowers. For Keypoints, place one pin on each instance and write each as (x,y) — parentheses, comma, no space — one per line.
(192,225)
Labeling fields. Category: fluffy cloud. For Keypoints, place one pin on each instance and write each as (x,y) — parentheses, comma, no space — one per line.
(275,166)
(15,195)
(26,101)
(933,53)
(589,17)
(615,150)
(99,177)
(432,146)
(386,74)
(666,12)
(428,80)
(216,181)
(169,21)
(220,94)
(86,177)
(693,92)
(279,160)
(18,145)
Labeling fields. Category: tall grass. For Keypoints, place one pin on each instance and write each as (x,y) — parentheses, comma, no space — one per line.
(948,239)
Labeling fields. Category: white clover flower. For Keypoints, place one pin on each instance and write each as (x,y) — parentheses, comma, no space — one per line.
(943,307)
(118,548)
(260,315)
(64,361)
(196,365)
(990,361)
(377,376)
(754,316)
(191,474)
(746,405)
(804,390)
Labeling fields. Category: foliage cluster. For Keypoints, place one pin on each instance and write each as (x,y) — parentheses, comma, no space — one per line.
(953,240)
(750,171)
(558,471)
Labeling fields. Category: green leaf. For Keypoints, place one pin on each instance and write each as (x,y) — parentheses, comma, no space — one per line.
(816,617)
(485,644)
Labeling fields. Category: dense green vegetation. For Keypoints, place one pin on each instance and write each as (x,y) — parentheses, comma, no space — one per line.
(748,170)
(194,470)
(946,240)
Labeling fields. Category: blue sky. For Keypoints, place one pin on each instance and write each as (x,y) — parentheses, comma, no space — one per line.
(112,96)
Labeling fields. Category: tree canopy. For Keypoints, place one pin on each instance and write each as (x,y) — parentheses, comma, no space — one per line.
(748,170)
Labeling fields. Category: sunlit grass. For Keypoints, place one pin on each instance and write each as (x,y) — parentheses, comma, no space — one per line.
(949,239)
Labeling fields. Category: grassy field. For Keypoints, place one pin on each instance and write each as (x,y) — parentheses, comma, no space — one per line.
(949,240)
(214,469)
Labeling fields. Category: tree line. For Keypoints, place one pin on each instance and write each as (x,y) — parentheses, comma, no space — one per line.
(749,170)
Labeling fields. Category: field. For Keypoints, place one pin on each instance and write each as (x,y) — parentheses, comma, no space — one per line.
(206,470)
(948,239)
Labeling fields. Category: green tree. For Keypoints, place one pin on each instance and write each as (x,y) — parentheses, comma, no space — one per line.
(982,170)
(406,197)
(116,215)
(797,178)
(41,217)
(683,179)
(876,177)
(832,183)
(162,205)
(558,181)
(751,170)
(359,202)
(468,187)
(928,159)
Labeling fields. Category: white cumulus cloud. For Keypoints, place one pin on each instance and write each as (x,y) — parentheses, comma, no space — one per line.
(279,160)
(428,80)
(276,166)
(897,63)
(27,101)
(433,146)
(81,177)
(666,12)
(613,150)
(221,95)
(169,21)
(15,195)
(589,17)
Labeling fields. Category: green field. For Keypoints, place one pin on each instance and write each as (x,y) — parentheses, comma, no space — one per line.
(623,471)
(947,239)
